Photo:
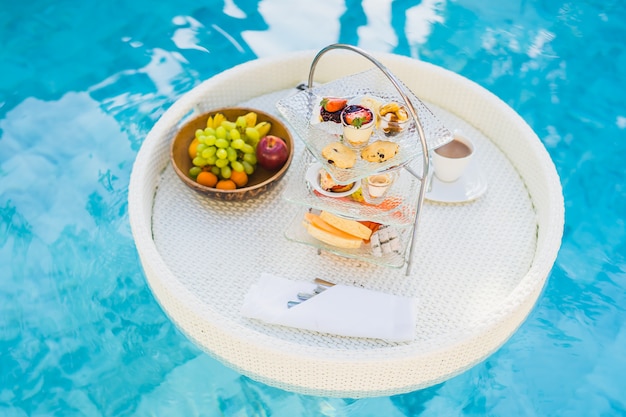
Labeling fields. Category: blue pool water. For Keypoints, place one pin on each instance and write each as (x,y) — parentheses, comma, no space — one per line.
(81,84)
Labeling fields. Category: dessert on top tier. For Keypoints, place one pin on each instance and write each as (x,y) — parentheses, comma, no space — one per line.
(330,109)
(357,116)
(394,118)
(358,124)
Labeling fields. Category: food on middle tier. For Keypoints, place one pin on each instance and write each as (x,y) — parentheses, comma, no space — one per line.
(375,187)
(358,124)
(328,184)
(339,155)
(380,151)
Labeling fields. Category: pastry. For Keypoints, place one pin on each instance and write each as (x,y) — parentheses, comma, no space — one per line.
(380,151)
(339,155)
(328,184)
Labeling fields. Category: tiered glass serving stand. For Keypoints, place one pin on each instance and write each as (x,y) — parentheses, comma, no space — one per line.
(402,206)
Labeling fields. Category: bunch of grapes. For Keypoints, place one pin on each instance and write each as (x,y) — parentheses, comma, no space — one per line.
(225,146)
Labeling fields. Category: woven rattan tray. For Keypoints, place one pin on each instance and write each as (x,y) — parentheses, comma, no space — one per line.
(478,269)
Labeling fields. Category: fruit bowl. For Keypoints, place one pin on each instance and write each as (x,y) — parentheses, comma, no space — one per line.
(259,182)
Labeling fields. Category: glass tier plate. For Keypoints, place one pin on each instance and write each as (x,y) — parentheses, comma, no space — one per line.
(386,254)
(302,111)
(398,209)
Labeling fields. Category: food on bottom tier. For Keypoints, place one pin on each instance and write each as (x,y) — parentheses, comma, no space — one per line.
(352,227)
(352,234)
(329,234)
(384,241)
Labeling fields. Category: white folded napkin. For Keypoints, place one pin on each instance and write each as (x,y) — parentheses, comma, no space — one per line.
(339,310)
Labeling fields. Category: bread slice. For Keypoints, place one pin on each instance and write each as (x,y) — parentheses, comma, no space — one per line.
(351,227)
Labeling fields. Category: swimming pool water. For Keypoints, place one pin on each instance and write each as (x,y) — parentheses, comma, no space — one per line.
(82,84)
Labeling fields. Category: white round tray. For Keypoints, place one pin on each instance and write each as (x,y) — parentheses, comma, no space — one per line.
(478,269)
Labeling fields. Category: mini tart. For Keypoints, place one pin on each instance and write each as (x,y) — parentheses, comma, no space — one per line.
(328,184)
(380,151)
(339,155)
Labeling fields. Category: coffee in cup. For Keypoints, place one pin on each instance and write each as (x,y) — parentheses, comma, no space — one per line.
(375,187)
(451,159)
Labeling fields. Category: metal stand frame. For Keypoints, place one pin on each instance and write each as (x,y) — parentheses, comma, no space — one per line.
(420,130)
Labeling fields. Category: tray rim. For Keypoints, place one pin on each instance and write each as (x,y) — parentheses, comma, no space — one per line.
(501,322)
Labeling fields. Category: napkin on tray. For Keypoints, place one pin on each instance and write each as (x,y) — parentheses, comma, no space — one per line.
(340,309)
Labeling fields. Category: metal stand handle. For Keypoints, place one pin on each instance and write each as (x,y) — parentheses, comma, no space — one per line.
(420,130)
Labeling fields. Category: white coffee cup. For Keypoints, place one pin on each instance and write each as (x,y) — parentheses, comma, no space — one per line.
(451,159)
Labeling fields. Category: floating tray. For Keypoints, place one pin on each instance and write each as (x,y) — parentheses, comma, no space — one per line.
(479,268)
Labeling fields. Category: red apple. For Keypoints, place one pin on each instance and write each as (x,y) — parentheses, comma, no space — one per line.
(272,152)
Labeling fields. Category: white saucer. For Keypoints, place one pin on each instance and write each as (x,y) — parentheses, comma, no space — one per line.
(313,177)
(467,188)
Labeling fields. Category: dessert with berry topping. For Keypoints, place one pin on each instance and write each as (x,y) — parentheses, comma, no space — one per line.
(358,124)
(330,109)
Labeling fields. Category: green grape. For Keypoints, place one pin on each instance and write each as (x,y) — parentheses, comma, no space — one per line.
(222,163)
(221,153)
(199,161)
(228,125)
(208,151)
(210,140)
(225,172)
(194,171)
(222,143)
(211,160)
(234,134)
(237,143)
(232,154)
(248,149)
(237,166)
(215,170)
(220,132)
(247,167)
(250,158)
(200,147)
(209,131)
(252,135)
(199,133)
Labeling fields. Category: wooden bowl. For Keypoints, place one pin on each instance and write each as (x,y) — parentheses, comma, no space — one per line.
(260,181)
